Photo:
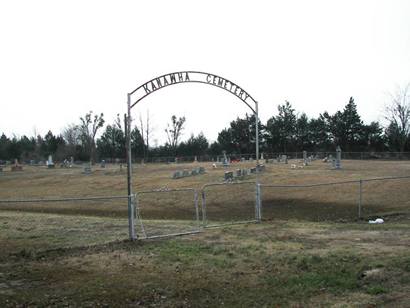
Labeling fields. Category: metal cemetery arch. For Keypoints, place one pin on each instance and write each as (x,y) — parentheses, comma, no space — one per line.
(176,78)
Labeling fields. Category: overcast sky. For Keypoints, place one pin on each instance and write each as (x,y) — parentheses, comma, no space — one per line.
(61,59)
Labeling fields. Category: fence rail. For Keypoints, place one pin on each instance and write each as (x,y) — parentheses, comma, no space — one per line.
(170,212)
(345,197)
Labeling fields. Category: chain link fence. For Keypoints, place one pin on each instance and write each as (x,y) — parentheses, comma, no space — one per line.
(337,201)
(385,197)
(274,155)
(55,223)
(47,224)
(229,203)
(162,213)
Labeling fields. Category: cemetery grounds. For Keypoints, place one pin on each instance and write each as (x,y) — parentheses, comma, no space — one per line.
(309,250)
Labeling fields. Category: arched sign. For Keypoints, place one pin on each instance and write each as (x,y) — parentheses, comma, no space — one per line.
(191,76)
(172,79)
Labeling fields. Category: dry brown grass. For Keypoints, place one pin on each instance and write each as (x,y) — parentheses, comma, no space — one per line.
(42,182)
(75,259)
(228,202)
(283,263)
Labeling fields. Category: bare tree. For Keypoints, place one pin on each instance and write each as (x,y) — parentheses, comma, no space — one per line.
(174,131)
(88,128)
(71,135)
(146,132)
(398,114)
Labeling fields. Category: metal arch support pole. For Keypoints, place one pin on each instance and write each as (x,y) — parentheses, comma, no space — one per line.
(360,198)
(257,134)
(131,223)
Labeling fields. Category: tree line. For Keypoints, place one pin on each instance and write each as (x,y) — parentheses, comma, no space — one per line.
(288,131)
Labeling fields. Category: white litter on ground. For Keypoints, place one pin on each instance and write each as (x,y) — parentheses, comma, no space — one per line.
(376,221)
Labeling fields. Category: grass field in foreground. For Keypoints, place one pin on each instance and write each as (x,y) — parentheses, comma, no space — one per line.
(74,254)
(285,263)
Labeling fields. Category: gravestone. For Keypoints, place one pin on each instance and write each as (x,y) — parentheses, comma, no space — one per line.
(87,169)
(261,168)
(71,161)
(225,162)
(201,170)
(195,159)
(185,173)
(242,159)
(228,176)
(278,159)
(102,165)
(16,166)
(284,159)
(50,163)
(337,164)
(66,164)
(262,157)
(250,159)
(177,175)
(194,172)
(305,159)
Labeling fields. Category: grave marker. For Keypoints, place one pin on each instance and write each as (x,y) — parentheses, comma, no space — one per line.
(337,164)
(16,166)
(261,168)
(305,159)
(225,162)
(194,172)
(228,176)
(50,163)
(177,175)
(87,169)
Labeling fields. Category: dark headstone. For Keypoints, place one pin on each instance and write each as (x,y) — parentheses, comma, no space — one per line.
(228,176)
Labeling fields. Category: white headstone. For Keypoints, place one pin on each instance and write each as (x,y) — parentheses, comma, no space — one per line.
(338,158)
(50,163)
(225,161)
(305,159)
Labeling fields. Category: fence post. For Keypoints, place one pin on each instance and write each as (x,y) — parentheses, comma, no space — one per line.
(360,198)
(203,207)
(257,203)
(196,208)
